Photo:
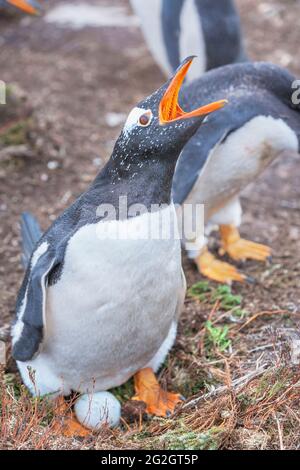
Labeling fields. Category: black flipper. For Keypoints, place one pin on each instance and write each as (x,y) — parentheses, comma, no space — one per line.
(28,330)
(31,233)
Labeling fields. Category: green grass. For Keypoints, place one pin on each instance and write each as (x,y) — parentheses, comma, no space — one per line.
(200,290)
(124,392)
(229,302)
(216,338)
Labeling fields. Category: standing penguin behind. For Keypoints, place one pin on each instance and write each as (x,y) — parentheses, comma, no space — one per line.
(209,29)
(98,303)
(28,6)
(231,150)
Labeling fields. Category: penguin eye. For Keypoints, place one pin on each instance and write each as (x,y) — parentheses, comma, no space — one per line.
(145,119)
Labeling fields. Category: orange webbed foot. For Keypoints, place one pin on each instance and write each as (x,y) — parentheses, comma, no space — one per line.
(159,402)
(65,422)
(217,270)
(239,249)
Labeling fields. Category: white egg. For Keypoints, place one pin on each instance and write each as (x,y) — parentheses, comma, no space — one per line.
(94,410)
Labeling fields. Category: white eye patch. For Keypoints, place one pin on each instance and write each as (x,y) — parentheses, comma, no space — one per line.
(138,117)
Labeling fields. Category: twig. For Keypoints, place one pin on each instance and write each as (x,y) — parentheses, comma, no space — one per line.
(237,384)
(261,348)
(279,431)
(260,314)
(292,412)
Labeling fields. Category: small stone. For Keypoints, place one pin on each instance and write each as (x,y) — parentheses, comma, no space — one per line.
(114,119)
(16,151)
(2,353)
(294,233)
(4,333)
(44,177)
(52,165)
(97,162)
(225,414)
(133,410)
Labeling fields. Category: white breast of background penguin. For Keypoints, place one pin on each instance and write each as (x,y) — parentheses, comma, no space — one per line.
(114,304)
(239,160)
(191,40)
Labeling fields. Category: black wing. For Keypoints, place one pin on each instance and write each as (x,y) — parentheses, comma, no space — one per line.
(28,329)
(31,233)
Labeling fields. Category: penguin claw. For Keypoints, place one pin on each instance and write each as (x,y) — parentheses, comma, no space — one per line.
(251,280)
(159,402)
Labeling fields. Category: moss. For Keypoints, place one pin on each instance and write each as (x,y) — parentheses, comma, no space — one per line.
(15,134)
(184,439)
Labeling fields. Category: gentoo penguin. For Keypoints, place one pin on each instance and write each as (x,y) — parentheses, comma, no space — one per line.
(104,285)
(230,150)
(209,29)
(28,6)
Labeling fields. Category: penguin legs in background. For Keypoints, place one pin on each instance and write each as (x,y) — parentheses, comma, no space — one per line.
(238,248)
(217,270)
(228,219)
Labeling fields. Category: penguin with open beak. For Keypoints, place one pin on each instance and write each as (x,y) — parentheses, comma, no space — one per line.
(28,6)
(104,285)
(232,148)
(174,29)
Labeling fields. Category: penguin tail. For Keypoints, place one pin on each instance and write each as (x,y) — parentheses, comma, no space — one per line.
(31,233)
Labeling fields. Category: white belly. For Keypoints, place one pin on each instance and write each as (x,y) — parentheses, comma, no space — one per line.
(191,40)
(113,306)
(239,161)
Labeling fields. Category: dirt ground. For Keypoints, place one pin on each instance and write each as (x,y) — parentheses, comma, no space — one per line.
(72,79)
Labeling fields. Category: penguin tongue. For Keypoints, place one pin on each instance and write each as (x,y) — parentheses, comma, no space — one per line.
(169,109)
(24,5)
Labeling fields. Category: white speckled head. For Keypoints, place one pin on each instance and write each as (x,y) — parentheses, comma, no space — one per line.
(158,127)
(138,117)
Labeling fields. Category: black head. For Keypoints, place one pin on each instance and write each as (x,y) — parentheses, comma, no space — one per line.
(144,157)
(158,128)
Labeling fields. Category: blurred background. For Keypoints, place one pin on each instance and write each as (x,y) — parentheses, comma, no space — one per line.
(72,75)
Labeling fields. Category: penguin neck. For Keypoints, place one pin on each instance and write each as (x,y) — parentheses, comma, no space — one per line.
(147,181)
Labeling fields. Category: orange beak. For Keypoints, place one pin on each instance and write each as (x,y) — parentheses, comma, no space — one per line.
(169,109)
(23,5)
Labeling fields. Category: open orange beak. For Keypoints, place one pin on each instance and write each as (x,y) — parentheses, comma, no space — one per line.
(25,6)
(169,109)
